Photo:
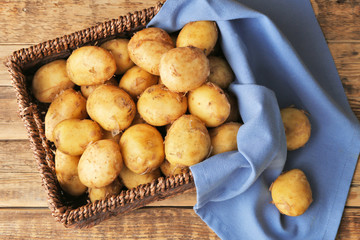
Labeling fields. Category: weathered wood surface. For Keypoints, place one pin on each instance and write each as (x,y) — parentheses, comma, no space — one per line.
(21,195)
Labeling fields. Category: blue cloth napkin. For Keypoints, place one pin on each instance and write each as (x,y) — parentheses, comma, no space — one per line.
(280,57)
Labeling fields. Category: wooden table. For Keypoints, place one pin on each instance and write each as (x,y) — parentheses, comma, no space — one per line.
(23,206)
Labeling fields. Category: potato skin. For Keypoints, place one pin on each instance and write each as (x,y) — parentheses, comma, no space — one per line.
(68,104)
(297,127)
(223,138)
(291,193)
(159,106)
(184,69)
(136,80)
(111,107)
(169,169)
(87,90)
(142,148)
(113,188)
(132,180)
(66,169)
(119,50)
(187,142)
(200,34)
(210,104)
(72,136)
(220,72)
(147,46)
(100,164)
(50,80)
(90,65)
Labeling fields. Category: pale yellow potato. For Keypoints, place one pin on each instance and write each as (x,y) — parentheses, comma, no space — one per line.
(220,72)
(200,34)
(66,169)
(71,136)
(68,104)
(112,189)
(87,90)
(169,169)
(184,69)
(297,127)
(90,65)
(147,46)
(234,108)
(100,164)
(159,106)
(132,180)
(291,193)
(210,104)
(142,148)
(136,80)
(223,138)
(119,50)
(111,107)
(50,80)
(187,142)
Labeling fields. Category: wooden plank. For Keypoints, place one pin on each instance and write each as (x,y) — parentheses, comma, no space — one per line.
(350,224)
(148,223)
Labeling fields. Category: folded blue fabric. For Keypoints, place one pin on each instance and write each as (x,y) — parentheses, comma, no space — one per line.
(280,57)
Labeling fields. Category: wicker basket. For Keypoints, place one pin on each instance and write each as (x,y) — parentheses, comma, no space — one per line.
(22,64)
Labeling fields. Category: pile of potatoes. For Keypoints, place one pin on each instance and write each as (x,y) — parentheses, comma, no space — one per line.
(131,110)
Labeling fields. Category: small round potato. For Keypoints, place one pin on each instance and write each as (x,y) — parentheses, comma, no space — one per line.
(169,169)
(159,106)
(220,72)
(50,80)
(291,193)
(71,136)
(66,169)
(111,107)
(147,46)
(90,65)
(142,148)
(68,104)
(119,50)
(223,138)
(132,180)
(184,69)
(200,34)
(87,90)
(297,127)
(113,188)
(187,142)
(136,80)
(100,164)
(210,104)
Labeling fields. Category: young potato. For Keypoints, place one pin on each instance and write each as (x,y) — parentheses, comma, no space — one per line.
(210,104)
(113,188)
(147,46)
(297,127)
(132,180)
(68,104)
(90,65)
(234,108)
(111,107)
(184,69)
(169,169)
(200,34)
(119,50)
(187,142)
(66,169)
(71,136)
(159,106)
(87,90)
(291,193)
(142,148)
(223,138)
(220,72)
(100,164)
(136,80)
(50,80)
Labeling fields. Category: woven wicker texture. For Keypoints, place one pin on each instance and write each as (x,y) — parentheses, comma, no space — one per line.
(22,64)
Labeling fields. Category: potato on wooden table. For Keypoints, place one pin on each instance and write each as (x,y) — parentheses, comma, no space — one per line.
(132,180)
(112,189)
(223,138)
